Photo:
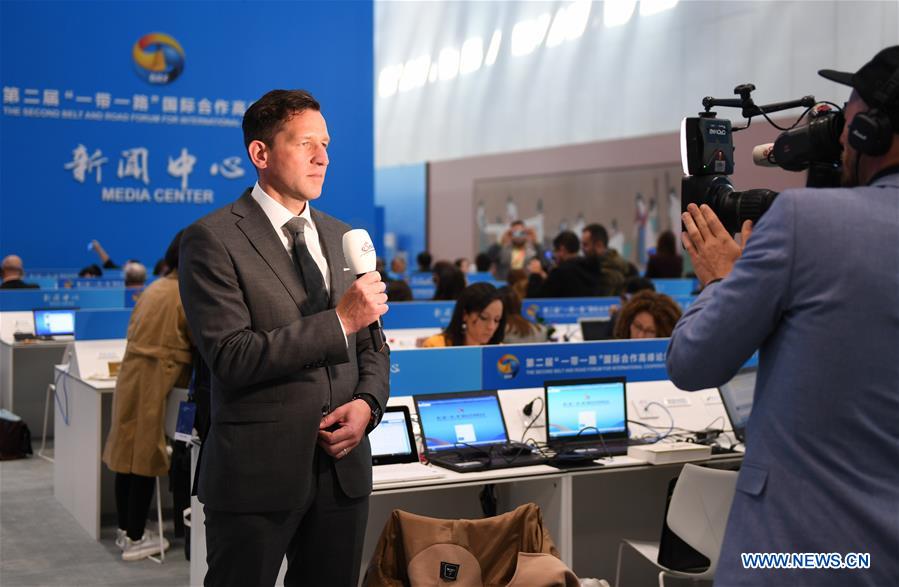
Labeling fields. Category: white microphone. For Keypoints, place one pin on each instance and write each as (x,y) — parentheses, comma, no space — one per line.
(360,255)
(763,155)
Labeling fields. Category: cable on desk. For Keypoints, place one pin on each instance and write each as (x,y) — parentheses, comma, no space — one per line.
(534,419)
(65,392)
(655,429)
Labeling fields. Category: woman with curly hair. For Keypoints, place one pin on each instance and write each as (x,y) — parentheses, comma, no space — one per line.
(647,315)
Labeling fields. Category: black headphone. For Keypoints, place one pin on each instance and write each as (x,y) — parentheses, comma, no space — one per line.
(871,132)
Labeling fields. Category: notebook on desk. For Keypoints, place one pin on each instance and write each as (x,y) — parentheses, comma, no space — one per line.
(393,453)
(467,432)
(737,395)
(587,416)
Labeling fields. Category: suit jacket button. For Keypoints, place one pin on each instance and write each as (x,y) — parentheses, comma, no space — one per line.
(326,409)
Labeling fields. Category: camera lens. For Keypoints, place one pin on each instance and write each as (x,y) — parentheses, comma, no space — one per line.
(734,208)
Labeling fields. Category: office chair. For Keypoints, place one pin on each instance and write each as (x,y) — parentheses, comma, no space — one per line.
(698,515)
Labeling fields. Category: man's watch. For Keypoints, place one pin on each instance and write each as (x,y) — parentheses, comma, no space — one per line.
(376,411)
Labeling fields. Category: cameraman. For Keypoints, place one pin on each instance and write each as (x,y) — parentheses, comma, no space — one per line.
(815,290)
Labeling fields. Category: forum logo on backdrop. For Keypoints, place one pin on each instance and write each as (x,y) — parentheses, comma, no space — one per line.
(158,58)
(507,366)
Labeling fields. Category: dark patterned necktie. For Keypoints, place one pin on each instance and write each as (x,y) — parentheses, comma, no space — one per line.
(317,295)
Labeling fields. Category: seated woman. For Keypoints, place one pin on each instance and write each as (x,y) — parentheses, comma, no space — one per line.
(478,319)
(449,281)
(666,263)
(647,315)
(518,328)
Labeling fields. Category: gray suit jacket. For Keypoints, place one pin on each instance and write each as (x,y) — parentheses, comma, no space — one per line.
(274,371)
(816,291)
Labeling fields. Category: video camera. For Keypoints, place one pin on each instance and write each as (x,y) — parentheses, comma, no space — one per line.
(707,154)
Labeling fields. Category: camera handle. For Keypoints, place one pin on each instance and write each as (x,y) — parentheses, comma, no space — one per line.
(749,107)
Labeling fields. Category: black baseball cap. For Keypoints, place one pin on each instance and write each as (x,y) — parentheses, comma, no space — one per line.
(875,81)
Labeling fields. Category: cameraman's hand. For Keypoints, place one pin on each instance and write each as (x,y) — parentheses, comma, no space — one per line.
(712,249)
(362,303)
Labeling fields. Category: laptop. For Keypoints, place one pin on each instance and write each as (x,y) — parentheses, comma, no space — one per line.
(57,324)
(587,416)
(394,457)
(596,328)
(737,395)
(467,432)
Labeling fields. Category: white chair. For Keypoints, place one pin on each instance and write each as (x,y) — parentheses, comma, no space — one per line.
(172,406)
(698,514)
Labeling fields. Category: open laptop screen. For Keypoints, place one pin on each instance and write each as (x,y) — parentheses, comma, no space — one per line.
(54,322)
(392,440)
(459,419)
(585,409)
(596,328)
(737,395)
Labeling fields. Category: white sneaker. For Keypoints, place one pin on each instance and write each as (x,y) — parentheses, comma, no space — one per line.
(120,536)
(148,545)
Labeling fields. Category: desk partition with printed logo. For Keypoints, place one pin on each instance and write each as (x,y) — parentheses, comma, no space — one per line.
(418,371)
(516,366)
(567,310)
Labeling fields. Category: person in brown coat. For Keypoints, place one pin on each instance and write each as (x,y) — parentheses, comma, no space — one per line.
(157,358)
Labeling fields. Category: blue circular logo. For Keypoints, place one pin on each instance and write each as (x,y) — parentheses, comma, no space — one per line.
(508,366)
(158,58)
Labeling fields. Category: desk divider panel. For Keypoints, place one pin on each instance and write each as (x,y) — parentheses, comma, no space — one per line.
(101,324)
(417,371)
(418,315)
(90,283)
(437,314)
(29,299)
(676,287)
(567,310)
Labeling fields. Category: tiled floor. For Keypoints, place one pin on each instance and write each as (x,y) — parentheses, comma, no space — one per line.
(41,544)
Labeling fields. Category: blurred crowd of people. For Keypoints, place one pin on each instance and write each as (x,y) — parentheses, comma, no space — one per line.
(577,266)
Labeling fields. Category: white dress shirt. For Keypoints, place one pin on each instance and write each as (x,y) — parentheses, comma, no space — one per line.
(278,215)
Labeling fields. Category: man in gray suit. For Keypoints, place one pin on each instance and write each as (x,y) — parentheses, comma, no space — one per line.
(296,386)
(815,290)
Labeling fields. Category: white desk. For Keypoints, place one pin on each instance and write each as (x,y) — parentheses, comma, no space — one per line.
(26,369)
(81,483)
(587,511)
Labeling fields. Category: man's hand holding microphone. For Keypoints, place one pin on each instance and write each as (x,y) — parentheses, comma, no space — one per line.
(363,304)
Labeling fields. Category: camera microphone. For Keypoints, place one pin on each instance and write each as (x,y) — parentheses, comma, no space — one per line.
(360,255)
(763,155)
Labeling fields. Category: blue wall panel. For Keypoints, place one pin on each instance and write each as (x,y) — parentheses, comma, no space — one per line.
(80,117)
(402,192)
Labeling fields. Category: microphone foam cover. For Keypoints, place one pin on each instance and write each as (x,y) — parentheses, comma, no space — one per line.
(359,251)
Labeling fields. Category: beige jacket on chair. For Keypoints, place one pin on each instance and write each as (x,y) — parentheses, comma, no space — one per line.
(513,549)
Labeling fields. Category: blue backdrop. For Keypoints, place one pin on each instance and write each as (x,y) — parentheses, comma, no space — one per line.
(402,192)
(121,120)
